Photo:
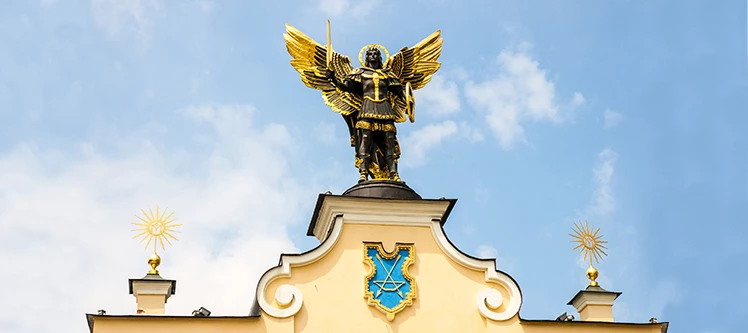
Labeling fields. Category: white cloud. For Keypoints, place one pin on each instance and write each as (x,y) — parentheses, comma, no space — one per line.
(336,8)
(603,200)
(116,16)
(612,118)
(65,233)
(417,145)
(578,99)
(487,252)
(626,270)
(520,93)
(439,97)
(472,134)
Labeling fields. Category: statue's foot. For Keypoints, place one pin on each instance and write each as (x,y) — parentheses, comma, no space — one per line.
(362,178)
(396,178)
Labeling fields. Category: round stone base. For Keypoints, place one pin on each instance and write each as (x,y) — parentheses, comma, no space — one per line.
(387,189)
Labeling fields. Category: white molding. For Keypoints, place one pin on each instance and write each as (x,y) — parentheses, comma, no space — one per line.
(336,211)
(415,213)
(491,275)
(287,295)
(152,287)
(605,298)
(488,300)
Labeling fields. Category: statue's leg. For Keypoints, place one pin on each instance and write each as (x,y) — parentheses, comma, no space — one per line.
(391,155)
(364,153)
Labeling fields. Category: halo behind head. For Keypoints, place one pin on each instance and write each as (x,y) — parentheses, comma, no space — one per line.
(371,46)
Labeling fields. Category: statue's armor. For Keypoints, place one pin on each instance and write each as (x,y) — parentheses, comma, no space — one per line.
(376,116)
(376,111)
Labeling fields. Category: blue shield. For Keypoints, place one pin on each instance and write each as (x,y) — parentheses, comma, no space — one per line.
(389,286)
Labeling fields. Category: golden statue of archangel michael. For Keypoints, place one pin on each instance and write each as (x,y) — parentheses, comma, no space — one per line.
(371,98)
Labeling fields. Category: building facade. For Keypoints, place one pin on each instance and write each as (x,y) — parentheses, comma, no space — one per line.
(384,264)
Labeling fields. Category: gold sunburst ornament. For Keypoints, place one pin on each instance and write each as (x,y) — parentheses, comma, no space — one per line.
(592,245)
(157,228)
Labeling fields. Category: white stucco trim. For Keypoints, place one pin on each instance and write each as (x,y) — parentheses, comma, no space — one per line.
(487,301)
(585,298)
(336,211)
(369,211)
(288,296)
(151,288)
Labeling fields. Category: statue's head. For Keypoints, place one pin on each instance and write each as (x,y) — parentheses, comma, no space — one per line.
(373,58)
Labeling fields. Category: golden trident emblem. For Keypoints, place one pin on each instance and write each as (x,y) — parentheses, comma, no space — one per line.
(156,228)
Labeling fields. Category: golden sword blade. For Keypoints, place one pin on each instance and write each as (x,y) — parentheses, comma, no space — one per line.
(329,45)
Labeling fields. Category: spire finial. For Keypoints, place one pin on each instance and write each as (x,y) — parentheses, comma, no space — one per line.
(156,228)
(592,245)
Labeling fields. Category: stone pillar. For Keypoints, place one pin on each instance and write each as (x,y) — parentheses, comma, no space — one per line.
(151,293)
(594,304)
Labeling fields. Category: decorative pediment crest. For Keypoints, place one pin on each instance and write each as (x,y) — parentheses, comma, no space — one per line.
(388,284)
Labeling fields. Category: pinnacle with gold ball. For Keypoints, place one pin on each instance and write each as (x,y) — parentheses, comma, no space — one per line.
(157,228)
(592,245)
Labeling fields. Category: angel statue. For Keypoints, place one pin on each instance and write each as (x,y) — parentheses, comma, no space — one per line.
(371,98)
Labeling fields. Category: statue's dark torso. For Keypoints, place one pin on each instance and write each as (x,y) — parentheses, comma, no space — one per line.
(374,85)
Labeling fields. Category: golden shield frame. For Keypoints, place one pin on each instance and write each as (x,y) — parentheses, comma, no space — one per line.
(407,262)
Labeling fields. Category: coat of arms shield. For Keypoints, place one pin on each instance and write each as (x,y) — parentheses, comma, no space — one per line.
(388,286)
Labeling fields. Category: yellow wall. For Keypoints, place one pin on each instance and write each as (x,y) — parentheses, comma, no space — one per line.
(159,324)
(151,304)
(596,313)
(333,287)
(584,327)
(154,324)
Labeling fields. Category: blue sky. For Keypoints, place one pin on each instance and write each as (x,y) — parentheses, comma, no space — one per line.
(629,114)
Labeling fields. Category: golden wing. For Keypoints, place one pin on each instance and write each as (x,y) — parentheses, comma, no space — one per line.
(417,64)
(310,60)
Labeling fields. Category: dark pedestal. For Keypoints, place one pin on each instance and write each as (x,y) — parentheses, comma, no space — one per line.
(386,189)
